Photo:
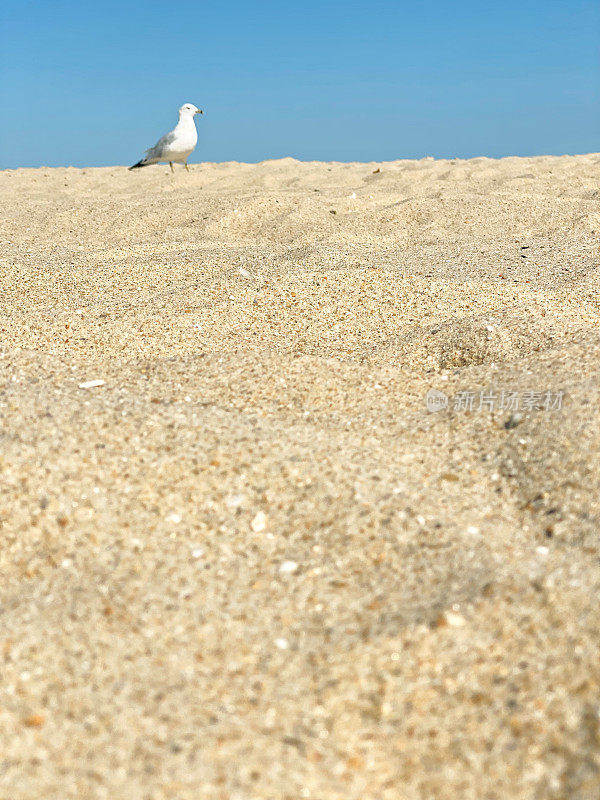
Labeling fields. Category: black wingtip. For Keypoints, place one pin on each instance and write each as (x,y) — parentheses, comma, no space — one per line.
(137,166)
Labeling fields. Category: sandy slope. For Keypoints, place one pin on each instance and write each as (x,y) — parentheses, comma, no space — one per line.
(251,564)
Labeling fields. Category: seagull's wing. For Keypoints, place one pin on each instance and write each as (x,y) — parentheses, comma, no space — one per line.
(154,154)
(160,147)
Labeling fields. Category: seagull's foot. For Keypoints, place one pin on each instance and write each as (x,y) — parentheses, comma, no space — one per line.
(171,165)
(186,166)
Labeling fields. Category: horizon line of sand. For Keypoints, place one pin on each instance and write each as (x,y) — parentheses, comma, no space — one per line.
(288,160)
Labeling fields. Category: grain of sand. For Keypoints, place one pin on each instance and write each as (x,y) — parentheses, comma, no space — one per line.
(250,564)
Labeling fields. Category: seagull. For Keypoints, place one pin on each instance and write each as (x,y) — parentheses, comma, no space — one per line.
(176,145)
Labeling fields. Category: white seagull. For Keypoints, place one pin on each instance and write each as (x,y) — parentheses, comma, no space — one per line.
(177,145)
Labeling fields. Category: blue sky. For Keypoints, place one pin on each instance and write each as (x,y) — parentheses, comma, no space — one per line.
(88,84)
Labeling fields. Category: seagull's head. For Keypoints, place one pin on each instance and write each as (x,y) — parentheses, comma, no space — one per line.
(188,110)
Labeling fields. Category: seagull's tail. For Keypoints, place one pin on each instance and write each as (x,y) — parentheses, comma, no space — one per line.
(141,163)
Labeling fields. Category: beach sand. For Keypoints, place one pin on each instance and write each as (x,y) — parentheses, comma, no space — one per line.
(251,565)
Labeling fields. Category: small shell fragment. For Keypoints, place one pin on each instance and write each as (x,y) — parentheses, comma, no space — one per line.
(452,619)
(91,384)
(259,523)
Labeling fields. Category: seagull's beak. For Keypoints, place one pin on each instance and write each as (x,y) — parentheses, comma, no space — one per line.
(198,111)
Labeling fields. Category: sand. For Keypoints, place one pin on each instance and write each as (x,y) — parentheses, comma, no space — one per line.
(251,564)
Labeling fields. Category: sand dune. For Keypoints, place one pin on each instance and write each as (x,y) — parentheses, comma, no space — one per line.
(251,564)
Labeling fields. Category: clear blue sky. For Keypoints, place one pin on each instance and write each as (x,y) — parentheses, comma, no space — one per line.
(96,83)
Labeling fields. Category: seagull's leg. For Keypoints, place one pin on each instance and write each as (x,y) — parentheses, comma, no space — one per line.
(186,166)
(171,165)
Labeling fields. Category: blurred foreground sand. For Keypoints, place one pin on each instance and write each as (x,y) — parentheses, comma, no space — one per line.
(251,565)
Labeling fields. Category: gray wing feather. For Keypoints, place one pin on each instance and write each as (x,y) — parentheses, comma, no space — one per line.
(159,147)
